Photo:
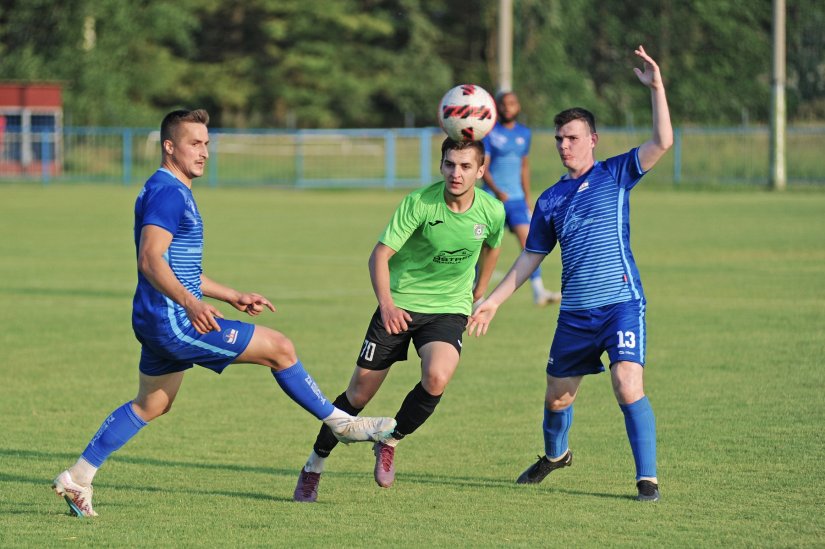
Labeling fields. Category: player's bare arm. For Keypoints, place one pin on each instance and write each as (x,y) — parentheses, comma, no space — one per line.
(154,241)
(394,319)
(487,263)
(251,303)
(652,150)
(483,315)
(525,180)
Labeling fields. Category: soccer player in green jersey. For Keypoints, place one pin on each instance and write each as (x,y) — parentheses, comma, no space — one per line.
(422,271)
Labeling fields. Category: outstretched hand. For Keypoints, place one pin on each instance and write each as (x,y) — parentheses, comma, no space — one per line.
(651,76)
(480,320)
(252,304)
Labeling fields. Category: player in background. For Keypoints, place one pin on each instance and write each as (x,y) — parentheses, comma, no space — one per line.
(177,328)
(603,305)
(507,177)
(422,271)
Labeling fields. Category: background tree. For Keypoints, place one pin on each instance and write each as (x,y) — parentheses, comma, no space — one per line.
(386,63)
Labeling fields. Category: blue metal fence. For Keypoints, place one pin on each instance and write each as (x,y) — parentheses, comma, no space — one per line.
(386,158)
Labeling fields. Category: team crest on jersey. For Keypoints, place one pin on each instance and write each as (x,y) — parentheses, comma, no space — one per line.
(478,230)
(584,186)
(230,336)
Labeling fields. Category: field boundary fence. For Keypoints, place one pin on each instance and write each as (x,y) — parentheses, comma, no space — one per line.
(388,158)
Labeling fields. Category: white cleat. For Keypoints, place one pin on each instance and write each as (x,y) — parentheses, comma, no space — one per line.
(362,429)
(78,497)
(546,297)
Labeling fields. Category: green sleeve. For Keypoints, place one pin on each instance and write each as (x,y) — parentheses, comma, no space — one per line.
(493,240)
(402,224)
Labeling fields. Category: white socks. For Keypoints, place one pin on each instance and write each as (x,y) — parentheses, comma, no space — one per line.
(83,472)
(315,463)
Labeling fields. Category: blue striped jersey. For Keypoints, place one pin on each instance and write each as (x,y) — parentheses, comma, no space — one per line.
(166,202)
(506,148)
(589,218)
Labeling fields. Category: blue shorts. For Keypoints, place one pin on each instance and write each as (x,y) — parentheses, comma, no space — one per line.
(516,213)
(180,351)
(582,336)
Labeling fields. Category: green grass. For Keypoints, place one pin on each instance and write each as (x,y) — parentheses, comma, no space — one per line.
(736,290)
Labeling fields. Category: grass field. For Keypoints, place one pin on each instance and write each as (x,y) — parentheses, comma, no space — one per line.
(736,291)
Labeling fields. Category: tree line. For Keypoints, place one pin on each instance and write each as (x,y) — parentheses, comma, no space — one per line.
(386,63)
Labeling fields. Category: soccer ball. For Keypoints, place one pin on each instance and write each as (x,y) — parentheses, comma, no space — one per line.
(467,113)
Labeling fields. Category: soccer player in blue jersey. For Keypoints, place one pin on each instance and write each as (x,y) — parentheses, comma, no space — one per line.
(507,147)
(603,305)
(177,328)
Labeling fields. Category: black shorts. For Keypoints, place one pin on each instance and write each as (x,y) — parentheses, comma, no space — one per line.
(381,349)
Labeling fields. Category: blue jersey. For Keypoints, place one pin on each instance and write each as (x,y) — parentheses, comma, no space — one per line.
(166,202)
(507,147)
(589,218)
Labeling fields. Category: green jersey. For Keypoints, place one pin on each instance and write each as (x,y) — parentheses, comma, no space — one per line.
(437,249)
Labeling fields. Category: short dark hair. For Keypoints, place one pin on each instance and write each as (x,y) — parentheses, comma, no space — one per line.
(450,144)
(576,113)
(504,93)
(173,120)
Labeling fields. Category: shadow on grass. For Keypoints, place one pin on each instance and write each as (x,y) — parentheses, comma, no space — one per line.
(417,478)
(68,292)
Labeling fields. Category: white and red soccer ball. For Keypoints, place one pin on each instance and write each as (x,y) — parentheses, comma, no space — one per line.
(467,113)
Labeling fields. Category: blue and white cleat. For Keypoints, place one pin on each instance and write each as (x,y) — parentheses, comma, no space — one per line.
(78,497)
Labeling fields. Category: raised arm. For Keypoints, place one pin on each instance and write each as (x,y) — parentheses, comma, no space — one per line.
(652,150)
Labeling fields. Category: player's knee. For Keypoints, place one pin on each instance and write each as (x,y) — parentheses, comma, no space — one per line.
(435,382)
(282,351)
(628,384)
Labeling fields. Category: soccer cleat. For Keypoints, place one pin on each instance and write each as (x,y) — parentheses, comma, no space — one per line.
(78,497)
(362,429)
(543,467)
(546,297)
(306,491)
(648,490)
(384,464)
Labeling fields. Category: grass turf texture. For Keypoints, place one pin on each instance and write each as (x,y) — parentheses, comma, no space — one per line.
(736,320)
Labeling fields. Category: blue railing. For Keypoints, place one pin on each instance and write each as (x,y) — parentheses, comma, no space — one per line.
(386,158)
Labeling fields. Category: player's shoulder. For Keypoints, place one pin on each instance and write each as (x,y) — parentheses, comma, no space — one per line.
(551,195)
(522,129)
(491,206)
(427,193)
(164,186)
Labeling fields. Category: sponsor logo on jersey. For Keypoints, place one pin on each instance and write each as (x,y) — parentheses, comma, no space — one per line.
(230,336)
(478,230)
(583,187)
(452,257)
(436,222)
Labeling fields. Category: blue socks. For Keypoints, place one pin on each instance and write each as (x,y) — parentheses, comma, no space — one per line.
(556,426)
(116,431)
(641,432)
(299,385)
